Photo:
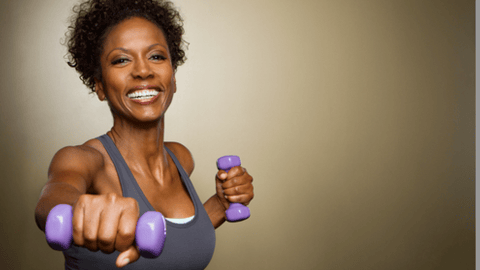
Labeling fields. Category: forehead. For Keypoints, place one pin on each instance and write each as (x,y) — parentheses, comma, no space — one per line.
(134,32)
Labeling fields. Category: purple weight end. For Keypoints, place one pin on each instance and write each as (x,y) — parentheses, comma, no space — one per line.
(150,234)
(58,229)
(237,212)
(227,162)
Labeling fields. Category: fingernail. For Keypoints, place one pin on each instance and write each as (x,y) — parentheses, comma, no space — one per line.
(125,262)
(223,175)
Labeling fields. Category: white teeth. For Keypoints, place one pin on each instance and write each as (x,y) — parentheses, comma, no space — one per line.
(144,94)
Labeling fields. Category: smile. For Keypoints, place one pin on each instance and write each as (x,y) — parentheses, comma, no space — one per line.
(143,95)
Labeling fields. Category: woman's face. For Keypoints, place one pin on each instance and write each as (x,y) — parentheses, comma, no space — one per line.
(137,74)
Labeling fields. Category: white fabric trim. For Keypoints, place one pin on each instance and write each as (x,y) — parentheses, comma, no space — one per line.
(180,220)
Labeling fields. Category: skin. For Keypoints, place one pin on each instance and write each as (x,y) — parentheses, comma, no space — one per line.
(135,53)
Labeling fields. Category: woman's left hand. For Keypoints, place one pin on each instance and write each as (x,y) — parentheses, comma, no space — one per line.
(234,186)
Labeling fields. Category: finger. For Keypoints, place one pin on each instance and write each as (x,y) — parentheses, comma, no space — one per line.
(235,171)
(221,175)
(126,229)
(237,190)
(240,194)
(128,256)
(243,199)
(90,229)
(238,180)
(107,231)
(219,189)
(77,225)
(221,195)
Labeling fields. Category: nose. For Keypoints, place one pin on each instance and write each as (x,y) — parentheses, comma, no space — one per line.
(142,69)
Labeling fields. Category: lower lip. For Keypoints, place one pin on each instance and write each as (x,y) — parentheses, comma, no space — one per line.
(147,101)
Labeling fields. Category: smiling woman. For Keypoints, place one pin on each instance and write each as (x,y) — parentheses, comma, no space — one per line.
(138,78)
(93,21)
(127,53)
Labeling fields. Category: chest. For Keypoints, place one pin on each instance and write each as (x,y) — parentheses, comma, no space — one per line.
(171,198)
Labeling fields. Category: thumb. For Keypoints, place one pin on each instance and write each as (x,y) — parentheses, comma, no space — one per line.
(128,256)
(221,175)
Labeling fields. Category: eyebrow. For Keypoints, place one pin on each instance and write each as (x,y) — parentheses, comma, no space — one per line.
(125,50)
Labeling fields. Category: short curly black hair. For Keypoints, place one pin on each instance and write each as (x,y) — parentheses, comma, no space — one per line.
(93,20)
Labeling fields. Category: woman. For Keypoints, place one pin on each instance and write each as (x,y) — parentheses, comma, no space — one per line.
(127,53)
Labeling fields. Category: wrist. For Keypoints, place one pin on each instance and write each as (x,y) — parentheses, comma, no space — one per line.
(222,202)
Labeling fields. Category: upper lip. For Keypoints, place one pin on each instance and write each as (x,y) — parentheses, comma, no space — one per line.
(143,87)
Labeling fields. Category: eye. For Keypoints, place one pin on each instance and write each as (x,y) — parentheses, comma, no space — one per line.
(157,57)
(120,61)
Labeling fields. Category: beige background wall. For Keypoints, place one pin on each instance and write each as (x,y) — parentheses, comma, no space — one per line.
(356,119)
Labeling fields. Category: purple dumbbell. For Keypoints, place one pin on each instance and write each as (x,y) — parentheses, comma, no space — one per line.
(150,232)
(236,211)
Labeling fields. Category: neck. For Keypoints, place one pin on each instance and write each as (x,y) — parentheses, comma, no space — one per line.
(141,144)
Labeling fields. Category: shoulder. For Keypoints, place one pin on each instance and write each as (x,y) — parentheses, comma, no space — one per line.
(183,155)
(84,160)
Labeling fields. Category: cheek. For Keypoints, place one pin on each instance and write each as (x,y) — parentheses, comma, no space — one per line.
(115,82)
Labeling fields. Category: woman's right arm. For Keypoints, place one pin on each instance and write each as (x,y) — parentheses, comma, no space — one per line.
(70,175)
(103,222)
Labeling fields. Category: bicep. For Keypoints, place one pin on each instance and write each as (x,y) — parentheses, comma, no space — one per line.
(69,176)
(74,167)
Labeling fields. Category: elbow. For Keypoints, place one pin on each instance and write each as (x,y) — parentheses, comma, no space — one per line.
(40,217)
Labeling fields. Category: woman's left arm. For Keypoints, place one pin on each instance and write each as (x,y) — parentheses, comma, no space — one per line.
(234,186)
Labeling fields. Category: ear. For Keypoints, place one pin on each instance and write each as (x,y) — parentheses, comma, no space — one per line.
(99,89)
(174,84)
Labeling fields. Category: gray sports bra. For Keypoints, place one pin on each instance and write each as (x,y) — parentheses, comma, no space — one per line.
(187,246)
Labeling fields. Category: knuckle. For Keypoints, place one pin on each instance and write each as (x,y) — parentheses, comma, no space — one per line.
(89,237)
(133,204)
(108,249)
(76,228)
(224,185)
(125,233)
(82,200)
(106,243)
(111,199)
(91,246)
(78,239)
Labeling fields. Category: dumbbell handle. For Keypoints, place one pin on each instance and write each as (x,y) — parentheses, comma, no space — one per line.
(236,211)
(150,232)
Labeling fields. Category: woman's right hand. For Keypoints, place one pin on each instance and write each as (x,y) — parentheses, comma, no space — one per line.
(107,222)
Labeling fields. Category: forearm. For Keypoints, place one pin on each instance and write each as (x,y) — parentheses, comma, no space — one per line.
(215,210)
(52,195)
